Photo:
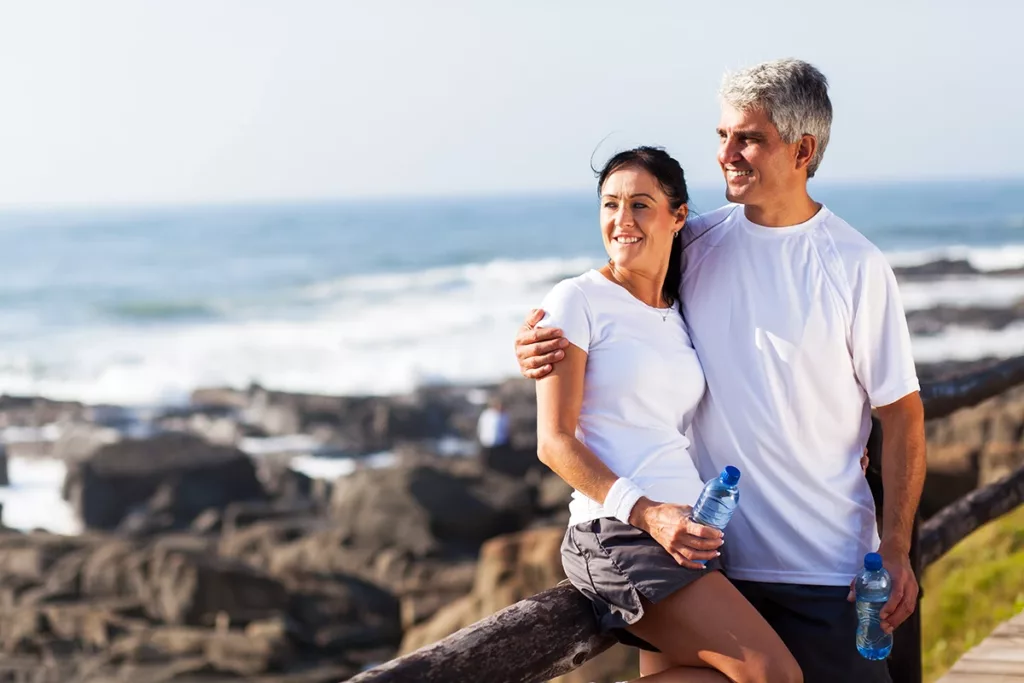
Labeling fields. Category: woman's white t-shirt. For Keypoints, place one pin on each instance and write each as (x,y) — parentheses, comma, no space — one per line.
(642,384)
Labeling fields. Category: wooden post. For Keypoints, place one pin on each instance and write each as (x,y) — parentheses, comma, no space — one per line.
(905,660)
(4,481)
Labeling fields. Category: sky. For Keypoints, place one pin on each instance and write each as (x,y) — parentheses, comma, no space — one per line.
(194,101)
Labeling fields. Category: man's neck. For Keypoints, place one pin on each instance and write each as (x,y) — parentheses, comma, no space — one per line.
(783,213)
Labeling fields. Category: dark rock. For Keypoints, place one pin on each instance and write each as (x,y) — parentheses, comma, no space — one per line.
(90,625)
(239,515)
(937,268)
(258,542)
(117,568)
(32,555)
(283,483)
(343,613)
(934,320)
(185,474)
(511,461)
(194,587)
(511,567)
(437,506)
(34,411)
(208,522)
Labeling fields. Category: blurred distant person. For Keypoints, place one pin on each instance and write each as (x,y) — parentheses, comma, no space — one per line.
(492,432)
(797,323)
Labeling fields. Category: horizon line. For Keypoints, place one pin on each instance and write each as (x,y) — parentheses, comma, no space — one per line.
(453,195)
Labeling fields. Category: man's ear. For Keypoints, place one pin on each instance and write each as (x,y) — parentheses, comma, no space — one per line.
(805,150)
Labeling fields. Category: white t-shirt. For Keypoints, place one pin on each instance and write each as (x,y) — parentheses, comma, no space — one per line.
(492,428)
(642,383)
(800,330)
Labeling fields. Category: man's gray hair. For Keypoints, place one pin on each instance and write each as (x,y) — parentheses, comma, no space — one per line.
(792,93)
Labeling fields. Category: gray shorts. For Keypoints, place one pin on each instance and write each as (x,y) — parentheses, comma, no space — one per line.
(819,627)
(613,564)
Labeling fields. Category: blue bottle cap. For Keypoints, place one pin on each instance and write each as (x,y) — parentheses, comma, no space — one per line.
(730,476)
(872,562)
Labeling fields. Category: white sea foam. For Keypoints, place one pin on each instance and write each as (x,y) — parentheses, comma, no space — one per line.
(33,501)
(368,334)
(332,468)
(983,258)
(974,290)
(957,343)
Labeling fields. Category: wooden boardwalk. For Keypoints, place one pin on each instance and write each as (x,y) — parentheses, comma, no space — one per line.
(997,659)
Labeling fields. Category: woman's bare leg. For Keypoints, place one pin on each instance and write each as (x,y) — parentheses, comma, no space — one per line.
(684,674)
(655,667)
(709,624)
(653,662)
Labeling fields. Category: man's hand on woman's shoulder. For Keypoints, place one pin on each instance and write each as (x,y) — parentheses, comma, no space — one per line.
(538,349)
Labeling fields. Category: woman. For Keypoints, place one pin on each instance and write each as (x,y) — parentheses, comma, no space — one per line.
(611,423)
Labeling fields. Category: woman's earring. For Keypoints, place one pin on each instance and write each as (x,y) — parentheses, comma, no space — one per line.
(675,234)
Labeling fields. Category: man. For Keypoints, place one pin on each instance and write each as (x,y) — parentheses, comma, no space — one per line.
(797,322)
(492,431)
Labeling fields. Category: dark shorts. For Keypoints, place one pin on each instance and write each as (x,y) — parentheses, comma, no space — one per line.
(819,627)
(613,564)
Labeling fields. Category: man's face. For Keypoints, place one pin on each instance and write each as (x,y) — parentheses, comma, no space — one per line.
(758,166)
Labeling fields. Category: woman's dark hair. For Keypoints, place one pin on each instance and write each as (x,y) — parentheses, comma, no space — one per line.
(670,177)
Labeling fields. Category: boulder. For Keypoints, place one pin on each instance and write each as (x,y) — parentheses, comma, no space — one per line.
(182,474)
(35,411)
(340,613)
(438,506)
(188,587)
(510,568)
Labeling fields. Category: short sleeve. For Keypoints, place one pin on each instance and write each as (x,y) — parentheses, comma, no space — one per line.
(882,356)
(566,307)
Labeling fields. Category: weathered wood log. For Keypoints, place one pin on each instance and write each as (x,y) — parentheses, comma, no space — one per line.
(541,637)
(958,519)
(945,397)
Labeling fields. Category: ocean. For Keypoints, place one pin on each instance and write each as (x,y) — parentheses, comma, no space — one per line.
(138,306)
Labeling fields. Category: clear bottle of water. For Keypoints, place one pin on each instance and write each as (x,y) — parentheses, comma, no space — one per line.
(718,500)
(872,588)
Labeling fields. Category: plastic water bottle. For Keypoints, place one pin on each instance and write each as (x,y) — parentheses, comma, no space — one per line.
(718,500)
(872,588)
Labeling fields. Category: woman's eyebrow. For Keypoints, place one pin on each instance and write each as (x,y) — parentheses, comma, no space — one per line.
(632,196)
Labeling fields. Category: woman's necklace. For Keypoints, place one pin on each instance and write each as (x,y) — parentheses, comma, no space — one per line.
(663,312)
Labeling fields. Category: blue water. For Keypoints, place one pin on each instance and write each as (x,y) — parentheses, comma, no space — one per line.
(144,304)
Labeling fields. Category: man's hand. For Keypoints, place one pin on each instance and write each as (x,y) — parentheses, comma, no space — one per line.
(538,349)
(670,525)
(903,599)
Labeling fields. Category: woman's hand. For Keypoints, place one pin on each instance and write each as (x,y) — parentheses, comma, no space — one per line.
(688,542)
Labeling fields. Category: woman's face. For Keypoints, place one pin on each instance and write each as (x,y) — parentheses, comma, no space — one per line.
(637,221)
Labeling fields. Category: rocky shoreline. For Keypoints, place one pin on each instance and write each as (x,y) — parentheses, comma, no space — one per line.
(205,557)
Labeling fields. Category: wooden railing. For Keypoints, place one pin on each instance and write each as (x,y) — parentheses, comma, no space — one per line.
(554,632)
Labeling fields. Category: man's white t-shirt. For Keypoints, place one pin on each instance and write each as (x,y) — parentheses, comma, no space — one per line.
(642,383)
(800,330)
